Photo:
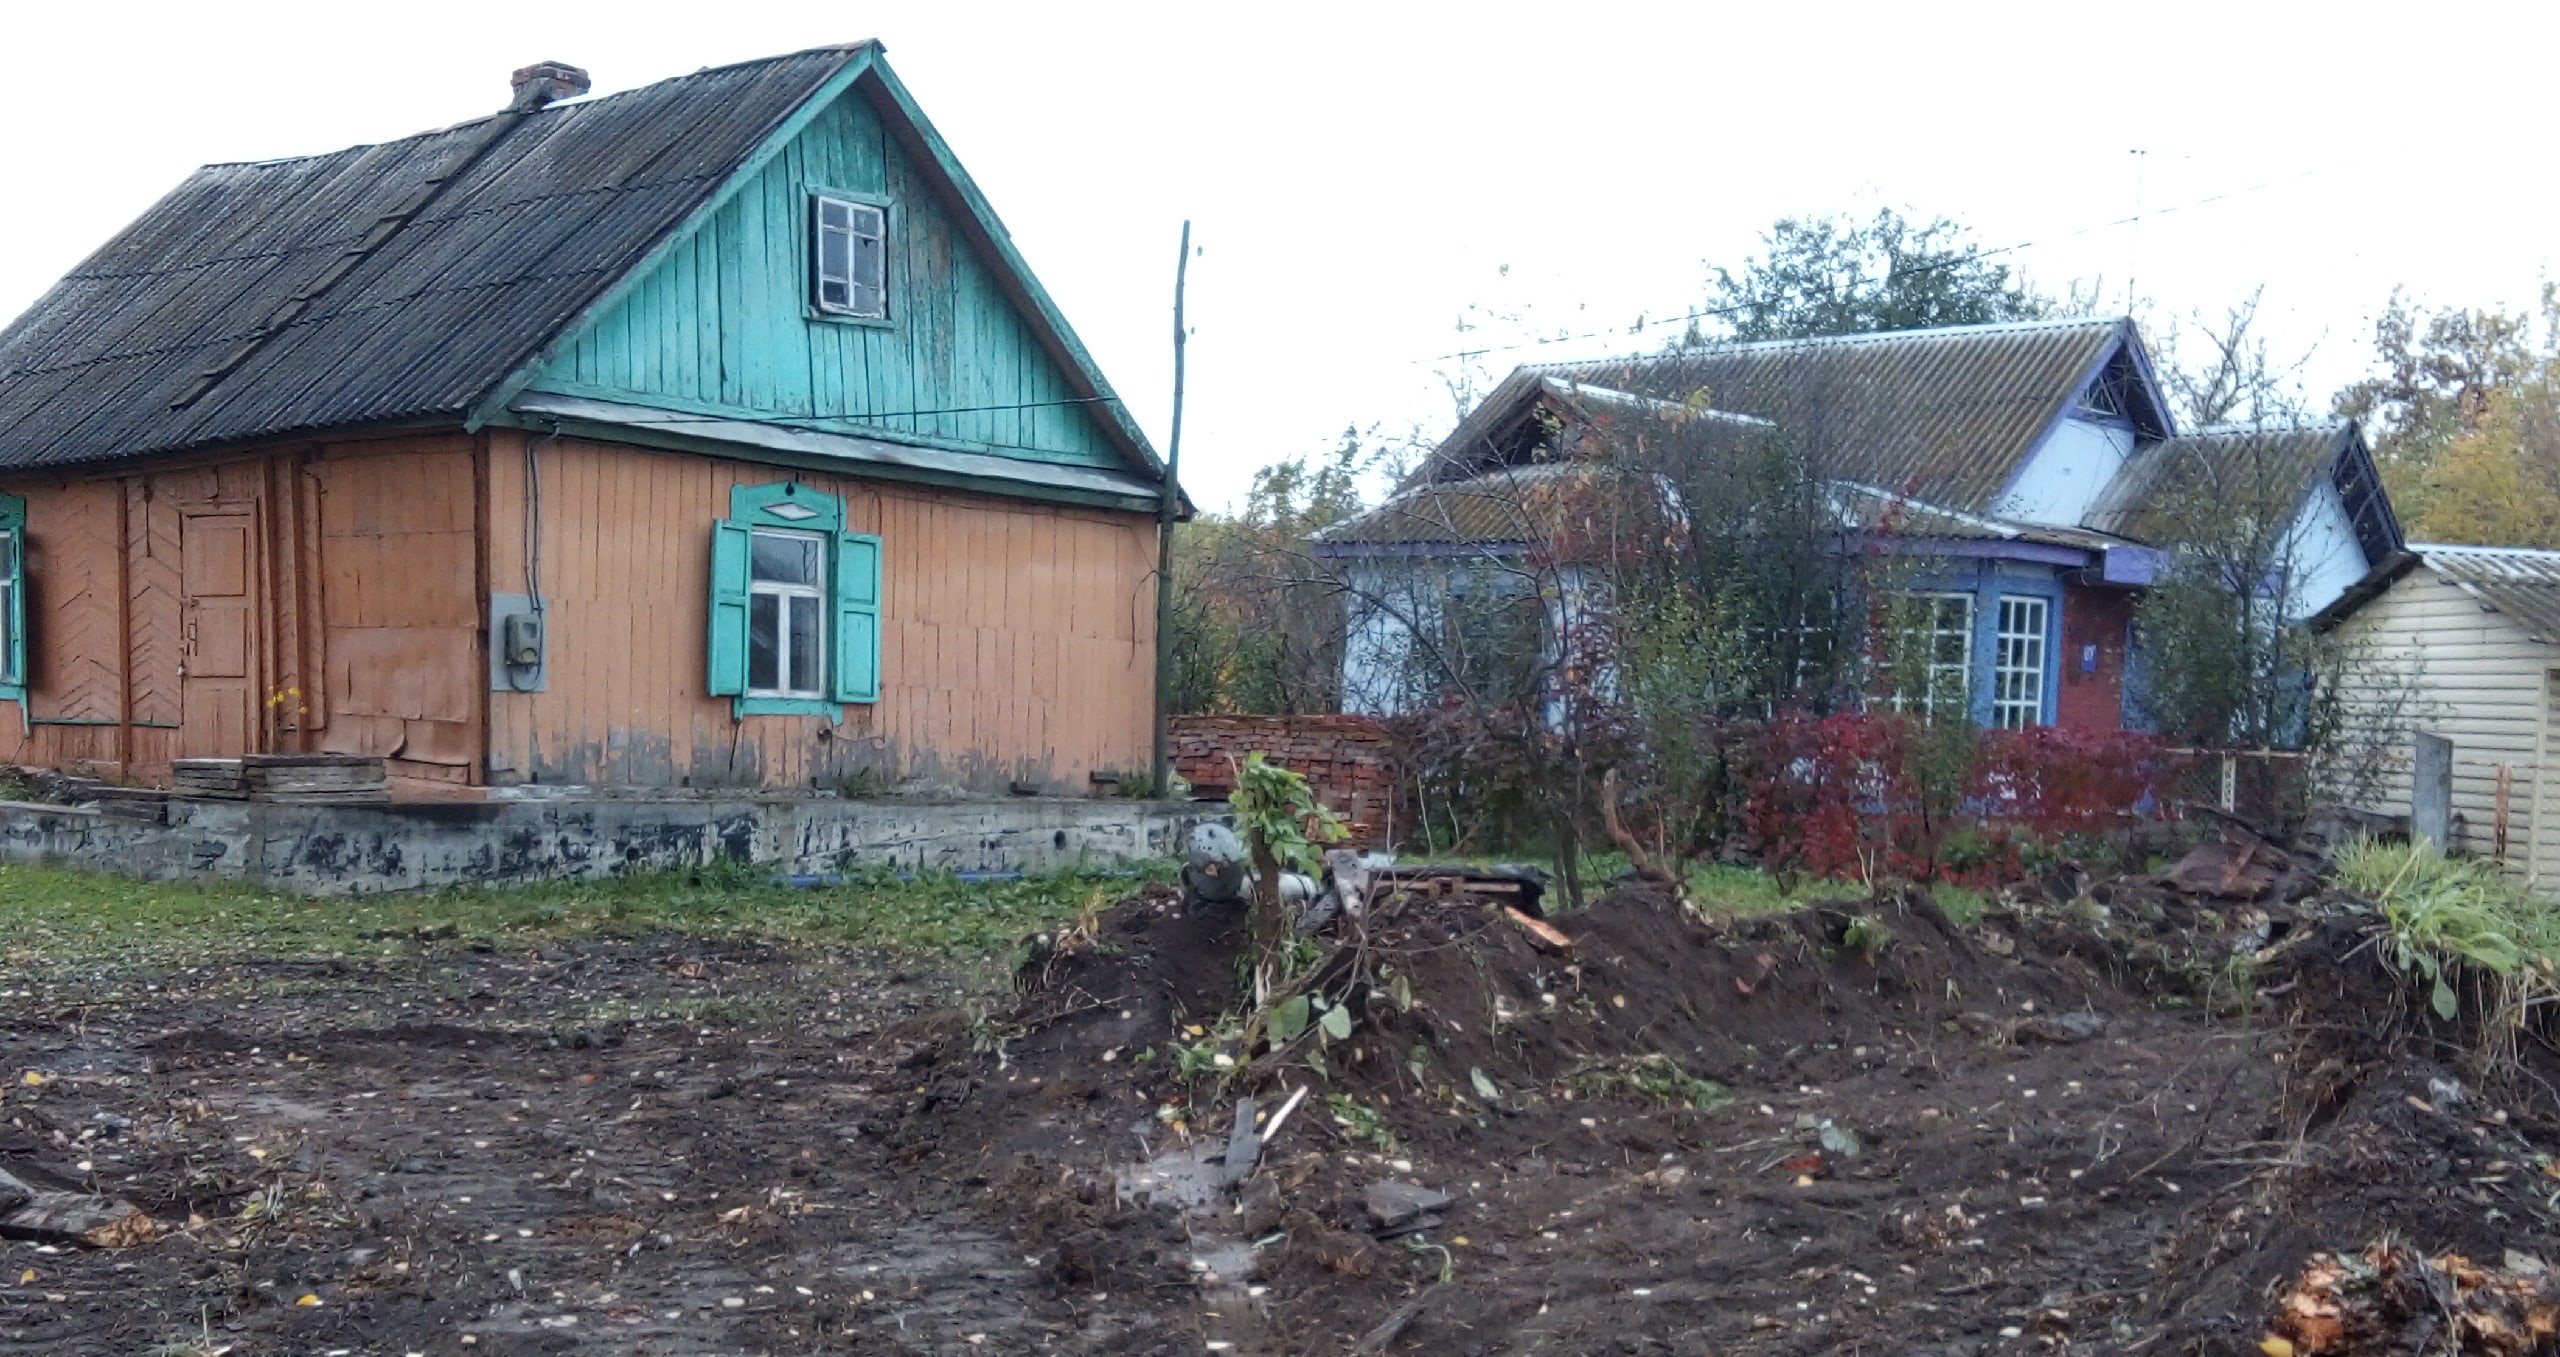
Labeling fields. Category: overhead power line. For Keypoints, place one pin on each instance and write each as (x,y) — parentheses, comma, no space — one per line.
(1696,314)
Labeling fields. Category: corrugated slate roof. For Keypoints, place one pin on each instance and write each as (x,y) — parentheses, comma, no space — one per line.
(1500,508)
(2243,464)
(2146,497)
(543,212)
(1944,415)
(2520,582)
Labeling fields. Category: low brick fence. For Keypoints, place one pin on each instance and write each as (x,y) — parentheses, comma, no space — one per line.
(1348,761)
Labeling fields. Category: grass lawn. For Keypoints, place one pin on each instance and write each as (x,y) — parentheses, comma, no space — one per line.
(56,915)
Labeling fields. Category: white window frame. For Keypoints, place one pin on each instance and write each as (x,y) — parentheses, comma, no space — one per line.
(783,593)
(2020,648)
(1932,697)
(861,221)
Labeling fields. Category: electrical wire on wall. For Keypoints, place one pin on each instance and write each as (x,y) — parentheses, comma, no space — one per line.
(516,673)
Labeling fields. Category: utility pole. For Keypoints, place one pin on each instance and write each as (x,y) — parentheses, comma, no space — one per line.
(1169,509)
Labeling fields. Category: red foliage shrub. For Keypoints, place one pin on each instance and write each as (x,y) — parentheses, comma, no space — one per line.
(1864,795)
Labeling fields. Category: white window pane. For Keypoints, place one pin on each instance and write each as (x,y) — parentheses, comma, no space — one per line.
(2018,688)
(780,558)
(835,255)
(804,647)
(764,642)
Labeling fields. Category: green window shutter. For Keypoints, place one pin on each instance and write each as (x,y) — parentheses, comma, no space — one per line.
(728,647)
(13,520)
(857,676)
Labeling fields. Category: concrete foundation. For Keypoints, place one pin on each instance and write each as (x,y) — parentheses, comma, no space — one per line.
(336,850)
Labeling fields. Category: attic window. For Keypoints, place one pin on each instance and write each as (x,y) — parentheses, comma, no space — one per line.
(849,250)
(2102,399)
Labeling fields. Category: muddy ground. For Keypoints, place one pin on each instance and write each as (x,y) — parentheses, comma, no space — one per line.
(2079,1125)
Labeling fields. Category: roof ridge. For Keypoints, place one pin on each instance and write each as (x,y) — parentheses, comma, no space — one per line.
(2467,549)
(1839,341)
(561,105)
(2235,429)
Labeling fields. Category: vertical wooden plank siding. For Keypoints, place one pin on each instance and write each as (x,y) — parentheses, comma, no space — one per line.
(964,702)
(401,611)
(723,326)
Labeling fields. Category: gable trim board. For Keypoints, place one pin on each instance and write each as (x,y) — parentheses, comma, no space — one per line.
(695,427)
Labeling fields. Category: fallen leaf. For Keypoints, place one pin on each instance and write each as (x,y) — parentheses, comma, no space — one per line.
(308,1299)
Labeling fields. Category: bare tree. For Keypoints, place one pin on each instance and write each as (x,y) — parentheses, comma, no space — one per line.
(2229,374)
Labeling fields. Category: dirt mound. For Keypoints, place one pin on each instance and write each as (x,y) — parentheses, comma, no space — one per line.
(2115,1117)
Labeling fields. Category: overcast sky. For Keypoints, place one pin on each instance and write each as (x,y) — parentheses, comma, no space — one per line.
(1367,179)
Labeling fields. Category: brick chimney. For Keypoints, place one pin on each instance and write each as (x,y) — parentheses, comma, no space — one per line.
(545,81)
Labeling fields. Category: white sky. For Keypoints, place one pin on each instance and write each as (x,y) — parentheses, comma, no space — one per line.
(1363,177)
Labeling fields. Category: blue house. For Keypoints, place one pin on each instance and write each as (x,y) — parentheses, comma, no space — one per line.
(2024,475)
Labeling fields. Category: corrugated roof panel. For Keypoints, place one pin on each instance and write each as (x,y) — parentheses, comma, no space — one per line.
(1944,415)
(2230,466)
(567,200)
(2520,582)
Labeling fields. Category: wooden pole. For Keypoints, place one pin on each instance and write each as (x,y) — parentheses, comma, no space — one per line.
(1168,510)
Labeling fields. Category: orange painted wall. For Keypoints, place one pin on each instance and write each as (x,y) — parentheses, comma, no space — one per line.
(1018,639)
(399,605)
(334,549)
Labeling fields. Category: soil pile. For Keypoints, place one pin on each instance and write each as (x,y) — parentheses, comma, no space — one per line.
(2118,1117)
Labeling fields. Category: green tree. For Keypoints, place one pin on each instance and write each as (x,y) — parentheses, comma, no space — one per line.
(1255,630)
(1840,275)
(2498,483)
(2437,375)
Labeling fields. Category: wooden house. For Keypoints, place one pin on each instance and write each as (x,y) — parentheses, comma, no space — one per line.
(2023,475)
(2463,642)
(708,434)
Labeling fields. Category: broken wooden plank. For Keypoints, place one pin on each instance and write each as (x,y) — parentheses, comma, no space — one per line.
(1539,930)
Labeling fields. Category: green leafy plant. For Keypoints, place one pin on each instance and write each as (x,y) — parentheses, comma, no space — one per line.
(1360,1122)
(1651,1078)
(2444,916)
(1867,936)
(1283,825)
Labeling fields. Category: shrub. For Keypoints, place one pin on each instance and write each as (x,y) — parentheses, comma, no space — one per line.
(1867,794)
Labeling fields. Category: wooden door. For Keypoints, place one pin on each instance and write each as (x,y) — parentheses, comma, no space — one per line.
(216,687)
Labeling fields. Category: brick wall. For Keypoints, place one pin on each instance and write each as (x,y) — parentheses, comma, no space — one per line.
(1349,761)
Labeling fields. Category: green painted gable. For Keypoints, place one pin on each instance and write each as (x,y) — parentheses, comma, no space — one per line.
(722,324)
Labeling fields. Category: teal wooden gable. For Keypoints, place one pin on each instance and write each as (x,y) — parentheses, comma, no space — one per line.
(721,327)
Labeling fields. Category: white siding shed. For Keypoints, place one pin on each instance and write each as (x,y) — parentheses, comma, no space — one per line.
(2467,644)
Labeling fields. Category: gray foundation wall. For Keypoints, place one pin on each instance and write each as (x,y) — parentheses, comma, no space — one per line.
(355,850)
